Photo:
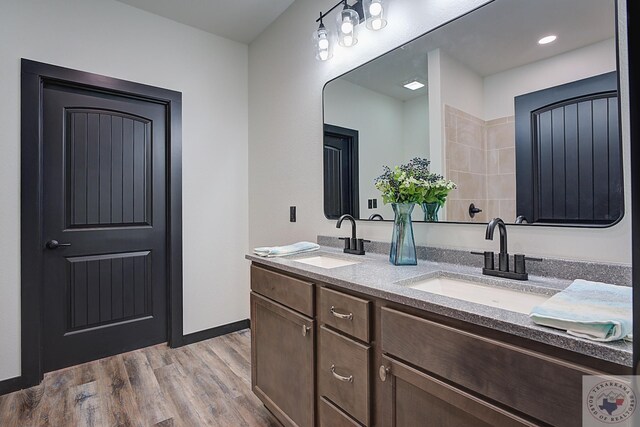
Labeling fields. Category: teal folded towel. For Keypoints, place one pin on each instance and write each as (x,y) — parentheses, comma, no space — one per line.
(592,310)
(296,248)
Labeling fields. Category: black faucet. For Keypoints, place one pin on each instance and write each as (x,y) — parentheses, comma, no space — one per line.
(352,245)
(521,219)
(520,269)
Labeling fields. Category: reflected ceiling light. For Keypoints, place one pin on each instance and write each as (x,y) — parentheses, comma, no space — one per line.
(413,85)
(547,39)
(373,12)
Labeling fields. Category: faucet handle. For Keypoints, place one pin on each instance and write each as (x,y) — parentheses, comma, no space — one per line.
(347,242)
(488,259)
(360,244)
(519,262)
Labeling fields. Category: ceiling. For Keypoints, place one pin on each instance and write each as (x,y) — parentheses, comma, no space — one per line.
(239,20)
(494,38)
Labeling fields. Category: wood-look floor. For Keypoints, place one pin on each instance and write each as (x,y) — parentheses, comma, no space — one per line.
(202,384)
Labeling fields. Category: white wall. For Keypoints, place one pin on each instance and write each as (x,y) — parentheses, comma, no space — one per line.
(285,110)
(415,128)
(461,88)
(588,61)
(110,38)
(455,85)
(391,132)
(378,119)
(436,109)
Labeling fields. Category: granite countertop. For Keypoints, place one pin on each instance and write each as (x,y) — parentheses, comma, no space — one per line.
(373,275)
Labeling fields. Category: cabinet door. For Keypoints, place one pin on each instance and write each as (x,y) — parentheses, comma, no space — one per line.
(282,361)
(418,400)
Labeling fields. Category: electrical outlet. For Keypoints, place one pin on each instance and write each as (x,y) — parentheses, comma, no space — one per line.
(292,214)
(370,203)
(375,203)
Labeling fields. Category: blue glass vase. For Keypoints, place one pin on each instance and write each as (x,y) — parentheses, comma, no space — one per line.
(403,246)
(431,211)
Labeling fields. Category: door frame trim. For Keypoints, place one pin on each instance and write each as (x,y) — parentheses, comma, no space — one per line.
(34,75)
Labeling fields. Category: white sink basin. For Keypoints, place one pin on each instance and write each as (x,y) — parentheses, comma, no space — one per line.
(506,299)
(326,261)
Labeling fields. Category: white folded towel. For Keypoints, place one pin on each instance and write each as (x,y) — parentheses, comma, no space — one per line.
(296,248)
(592,310)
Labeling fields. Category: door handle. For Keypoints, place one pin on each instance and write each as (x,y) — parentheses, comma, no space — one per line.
(54,244)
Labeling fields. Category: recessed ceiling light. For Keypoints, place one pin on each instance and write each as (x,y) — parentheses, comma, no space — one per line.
(547,39)
(413,85)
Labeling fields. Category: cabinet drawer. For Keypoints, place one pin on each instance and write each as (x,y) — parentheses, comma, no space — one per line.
(345,313)
(293,293)
(343,373)
(332,416)
(527,381)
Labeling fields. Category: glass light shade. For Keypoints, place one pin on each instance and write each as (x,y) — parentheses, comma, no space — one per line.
(322,43)
(347,22)
(375,13)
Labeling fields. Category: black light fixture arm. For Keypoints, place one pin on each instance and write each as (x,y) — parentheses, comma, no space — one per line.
(322,15)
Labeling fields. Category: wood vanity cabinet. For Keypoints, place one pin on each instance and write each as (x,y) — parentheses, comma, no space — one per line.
(379,363)
(283,346)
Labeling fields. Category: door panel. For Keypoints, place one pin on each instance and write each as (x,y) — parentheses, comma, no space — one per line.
(108,158)
(104,195)
(108,288)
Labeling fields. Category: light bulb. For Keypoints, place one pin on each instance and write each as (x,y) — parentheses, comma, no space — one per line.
(347,40)
(376,24)
(323,43)
(347,26)
(323,54)
(375,9)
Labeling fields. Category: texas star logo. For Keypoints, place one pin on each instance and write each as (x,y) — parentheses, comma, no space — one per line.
(611,402)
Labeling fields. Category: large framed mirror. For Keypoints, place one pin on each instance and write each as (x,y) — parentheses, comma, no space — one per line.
(527,127)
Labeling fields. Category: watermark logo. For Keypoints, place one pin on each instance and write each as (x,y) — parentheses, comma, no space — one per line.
(609,400)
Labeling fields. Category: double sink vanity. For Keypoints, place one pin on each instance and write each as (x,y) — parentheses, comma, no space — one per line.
(346,340)
(530,133)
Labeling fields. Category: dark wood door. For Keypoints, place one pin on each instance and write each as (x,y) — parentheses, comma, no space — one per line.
(418,399)
(340,161)
(104,201)
(282,361)
(568,153)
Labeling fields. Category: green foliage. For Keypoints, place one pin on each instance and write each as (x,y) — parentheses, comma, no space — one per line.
(413,183)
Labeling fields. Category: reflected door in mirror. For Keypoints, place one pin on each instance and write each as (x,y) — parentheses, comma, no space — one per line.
(569,164)
(340,172)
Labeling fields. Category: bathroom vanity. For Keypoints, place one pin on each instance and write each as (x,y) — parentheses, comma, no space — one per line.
(341,340)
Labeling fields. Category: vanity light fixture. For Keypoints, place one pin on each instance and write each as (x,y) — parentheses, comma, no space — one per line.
(347,24)
(373,12)
(322,42)
(413,85)
(548,39)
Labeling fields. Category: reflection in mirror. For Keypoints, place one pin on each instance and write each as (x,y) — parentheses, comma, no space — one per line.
(527,130)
